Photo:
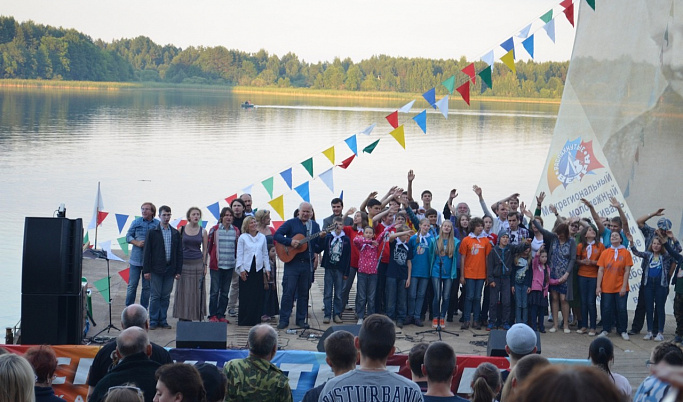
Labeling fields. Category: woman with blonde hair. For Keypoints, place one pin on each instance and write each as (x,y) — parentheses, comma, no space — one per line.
(16,379)
(271,306)
(444,271)
(253,267)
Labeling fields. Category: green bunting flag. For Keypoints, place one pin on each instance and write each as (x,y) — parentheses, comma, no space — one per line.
(86,239)
(102,286)
(268,184)
(371,147)
(592,4)
(449,84)
(547,16)
(485,75)
(308,164)
(124,244)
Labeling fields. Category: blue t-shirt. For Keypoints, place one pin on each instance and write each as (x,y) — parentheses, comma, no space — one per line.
(655,268)
(422,250)
(398,260)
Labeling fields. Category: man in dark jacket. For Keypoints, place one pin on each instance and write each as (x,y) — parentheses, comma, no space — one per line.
(162,262)
(134,367)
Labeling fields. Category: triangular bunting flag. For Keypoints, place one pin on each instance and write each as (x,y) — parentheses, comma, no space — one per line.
(566,3)
(329,153)
(569,13)
(175,223)
(247,189)
(367,131)
(102,286)
(231,198)
(121,221)
(485,76)
(550,29)
(308,164)
(509,45)
(181,223)
(592,4)
(393,119)
(547,17)
(442,104)
(509,60)
(214,209)
(346,162)
(421,120)
(327,178)
(524,33)
(278,205)
(449,84)
(399,136)
(469,70)
(268,185)
(125,274)
(488,58)
(277,224)
(86,238)
(528,44)
(303,191)
(287,177)
(101,216)
(341,195)
(430,97)
(464,91)
(353,145)
(369,150)
(124,244)
(106,246)
(99,206)
(406,108)
(203,223)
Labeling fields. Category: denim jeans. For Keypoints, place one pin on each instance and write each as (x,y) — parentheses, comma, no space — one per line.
(473,289)
(608,303)
(380,294)
(219,291)
(295,279)
(333,284)
(521,305)
(500,294)
(161,287)
(396,299)
(655,293)
(441,287)
(588,307)
(366,287)
(134,276)
(348,284)
(416,296)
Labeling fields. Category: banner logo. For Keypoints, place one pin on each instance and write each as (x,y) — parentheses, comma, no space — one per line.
(572,163)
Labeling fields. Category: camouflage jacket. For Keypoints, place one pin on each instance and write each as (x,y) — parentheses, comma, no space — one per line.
(255,379)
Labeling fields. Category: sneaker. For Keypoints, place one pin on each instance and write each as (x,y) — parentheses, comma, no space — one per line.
(604,333)
(442,323)
(477,326)
(567,331)
(232,312)
(166,326)
(223,319)
(302,325)
(435,323)
(282,325)
(152,327)
(633,332)
(541,330)
(552,330)
(337,319)
(648,336)
(489,327)
(359,322)
(581,331)
(659,338)
(408,321)
(326,320)
(506,326)
(213,318)
(418,322)
(624,336)
(399,324)
(591,332)
(465,325)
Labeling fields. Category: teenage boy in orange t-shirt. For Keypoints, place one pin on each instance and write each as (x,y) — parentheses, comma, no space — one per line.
(473,250)
(614,268)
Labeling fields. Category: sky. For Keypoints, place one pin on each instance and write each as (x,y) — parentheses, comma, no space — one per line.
(317,30)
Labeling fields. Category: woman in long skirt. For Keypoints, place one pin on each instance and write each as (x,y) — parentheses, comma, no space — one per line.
(252,266)
(190,293)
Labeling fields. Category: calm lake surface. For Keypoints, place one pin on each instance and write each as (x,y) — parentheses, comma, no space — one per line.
(192,148)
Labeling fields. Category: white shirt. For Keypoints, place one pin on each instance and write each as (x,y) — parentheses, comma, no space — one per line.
(248,247)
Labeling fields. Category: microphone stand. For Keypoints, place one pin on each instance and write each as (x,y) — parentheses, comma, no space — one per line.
(101,254)
(306,326)
(438,329)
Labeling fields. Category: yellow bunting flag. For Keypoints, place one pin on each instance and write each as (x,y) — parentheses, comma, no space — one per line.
(329,152)
(278,205)
(509,60)
(399,135)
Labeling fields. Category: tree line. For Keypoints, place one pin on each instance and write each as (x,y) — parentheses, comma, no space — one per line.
(35,51)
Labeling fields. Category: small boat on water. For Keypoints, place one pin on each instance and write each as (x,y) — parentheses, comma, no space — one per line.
(247,105)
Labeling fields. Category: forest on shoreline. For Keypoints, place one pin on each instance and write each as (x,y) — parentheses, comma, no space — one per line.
(42,52)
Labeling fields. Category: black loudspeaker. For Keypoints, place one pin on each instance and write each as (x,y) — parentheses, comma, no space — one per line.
(52,319)
(201,335)
(53,258)
(353,329)
(497,343)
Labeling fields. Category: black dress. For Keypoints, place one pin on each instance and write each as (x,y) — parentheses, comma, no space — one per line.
(251,297)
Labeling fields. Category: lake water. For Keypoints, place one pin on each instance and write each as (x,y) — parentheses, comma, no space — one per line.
(189,147)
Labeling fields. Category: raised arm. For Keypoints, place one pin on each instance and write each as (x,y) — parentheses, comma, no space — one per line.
(624,221)
(539,202)
(494,206)
(448,208)
(641,221)
(411,177)
(364,205)
(596,217)
(484,208)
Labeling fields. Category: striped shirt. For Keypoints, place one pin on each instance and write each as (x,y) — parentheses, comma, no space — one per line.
(166,232)
(226,247)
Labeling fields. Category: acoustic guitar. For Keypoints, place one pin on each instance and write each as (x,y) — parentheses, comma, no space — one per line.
(287,253)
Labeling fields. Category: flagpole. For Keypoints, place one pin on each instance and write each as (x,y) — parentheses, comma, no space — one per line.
(97,212)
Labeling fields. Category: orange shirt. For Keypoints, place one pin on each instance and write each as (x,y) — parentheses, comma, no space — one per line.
(589,271)
(613,277)
(475,252)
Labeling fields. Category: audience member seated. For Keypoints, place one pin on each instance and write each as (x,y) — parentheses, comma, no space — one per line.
(601,353)
(653,388)
(44,363)
(486,383)
(523,369)
(559,383)
(341,356)
(179,382)
(124,393)
(416,358)
(215,382)
(439,366)
(16,379)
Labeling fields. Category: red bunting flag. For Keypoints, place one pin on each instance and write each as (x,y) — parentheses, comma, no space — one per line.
(231,198)
(469,70)
(567,3)
(393,119)
(569,13)
(101,215)
(464,90)
(183,222)
(346,162)
(125,274)
(277,224)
